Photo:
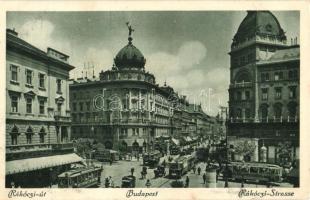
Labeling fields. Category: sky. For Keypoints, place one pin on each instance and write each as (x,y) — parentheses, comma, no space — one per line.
(187,49)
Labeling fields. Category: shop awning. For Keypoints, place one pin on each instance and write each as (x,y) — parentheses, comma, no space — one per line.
(31,164)
(176,141)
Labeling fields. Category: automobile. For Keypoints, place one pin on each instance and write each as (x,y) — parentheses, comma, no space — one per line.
(160,171)
(129,182)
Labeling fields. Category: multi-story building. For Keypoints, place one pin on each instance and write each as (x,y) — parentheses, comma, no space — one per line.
(126,108)
(264,85)
(37,113)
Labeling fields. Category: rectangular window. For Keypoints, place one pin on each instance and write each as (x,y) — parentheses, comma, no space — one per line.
(41,80)
(28,76)
(247,95)
(14,73)
(42,106)
(58,85)
(264,77)
(278,93)
(59,108)
(14,139)
(81,106)
(28,105)
(88,106)
(292,93)
(14,104)
(41,138)
(29,138)
(278,76)
(265,94)
(74,106)
(133,132)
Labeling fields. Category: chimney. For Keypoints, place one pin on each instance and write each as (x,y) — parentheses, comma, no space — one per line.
(12,32)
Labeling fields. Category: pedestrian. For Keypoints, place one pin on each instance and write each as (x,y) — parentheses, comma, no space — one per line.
(148,183)
(204,177)
(199,170)
(111,161)
(194,169)
(107,182)
(132,170)
(111,182)
(187,182)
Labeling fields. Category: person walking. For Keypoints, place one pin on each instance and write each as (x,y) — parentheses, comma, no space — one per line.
(198,170)
(132,170)
(107,182)
(148,183)
(194,169)
(204,177)
(187,182)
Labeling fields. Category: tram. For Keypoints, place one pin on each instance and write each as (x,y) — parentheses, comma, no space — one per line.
(181,166)
(106,155)
(86,177)
(255,171)
(151,159)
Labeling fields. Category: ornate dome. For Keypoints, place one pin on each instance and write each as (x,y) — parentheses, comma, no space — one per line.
(259,22)
(129,57)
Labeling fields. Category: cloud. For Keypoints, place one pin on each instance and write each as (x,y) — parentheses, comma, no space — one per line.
(40,34)
(184,72)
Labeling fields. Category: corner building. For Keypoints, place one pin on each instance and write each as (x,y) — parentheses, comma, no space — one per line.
(38,144)
(125,108)
(264,86)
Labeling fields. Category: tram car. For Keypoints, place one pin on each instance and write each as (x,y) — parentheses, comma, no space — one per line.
(151,159)
(86,177)
(106,155)
(181,166)
(255,171)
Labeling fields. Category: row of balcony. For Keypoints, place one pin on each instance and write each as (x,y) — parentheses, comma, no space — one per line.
(38,147)
(265,120)
(258,38)
(241,85)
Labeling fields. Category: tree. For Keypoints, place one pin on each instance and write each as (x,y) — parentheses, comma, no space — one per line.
(245,148)
(284,151)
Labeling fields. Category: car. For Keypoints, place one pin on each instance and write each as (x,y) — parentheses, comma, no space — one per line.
(129,182)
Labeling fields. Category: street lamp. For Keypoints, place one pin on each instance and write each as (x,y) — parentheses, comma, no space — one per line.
(224,109)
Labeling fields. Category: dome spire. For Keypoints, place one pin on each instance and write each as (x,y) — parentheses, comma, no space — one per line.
(130,30)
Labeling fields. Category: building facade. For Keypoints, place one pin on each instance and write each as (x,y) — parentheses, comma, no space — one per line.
(264,86)
(37,112)
(126,109)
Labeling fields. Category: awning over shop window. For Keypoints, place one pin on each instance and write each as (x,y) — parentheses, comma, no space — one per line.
(30,164)
(176,141)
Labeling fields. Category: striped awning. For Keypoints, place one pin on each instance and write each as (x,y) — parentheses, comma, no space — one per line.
(31,164)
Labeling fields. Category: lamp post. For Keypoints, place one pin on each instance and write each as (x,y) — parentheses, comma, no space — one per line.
(225,110)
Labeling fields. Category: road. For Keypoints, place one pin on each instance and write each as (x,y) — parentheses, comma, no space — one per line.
(122,168)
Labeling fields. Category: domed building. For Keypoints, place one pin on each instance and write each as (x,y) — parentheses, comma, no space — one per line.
(125,109)
(264,85)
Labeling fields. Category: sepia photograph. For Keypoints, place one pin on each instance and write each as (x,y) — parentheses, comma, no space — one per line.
(152,99)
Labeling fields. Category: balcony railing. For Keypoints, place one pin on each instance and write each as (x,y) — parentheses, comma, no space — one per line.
(265,120)
(241,85)
(62,117)
(14,152)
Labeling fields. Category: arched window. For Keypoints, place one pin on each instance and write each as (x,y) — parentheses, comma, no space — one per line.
(278,111)
(292,109)
(42,135)
(248,113)
(29,134)
(239,113)
(264,112)
(14,135)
